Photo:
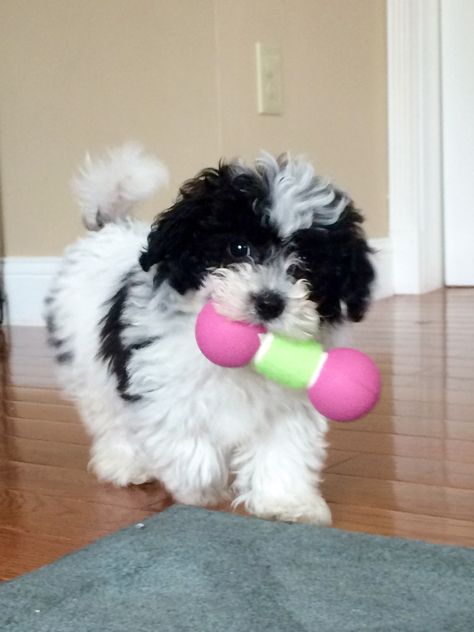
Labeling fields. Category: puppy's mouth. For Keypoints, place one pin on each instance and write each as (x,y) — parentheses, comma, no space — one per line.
(300,331)
(300,323)
(280,304)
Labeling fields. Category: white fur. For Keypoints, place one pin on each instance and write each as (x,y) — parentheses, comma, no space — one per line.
(298,195)
(107,189)
(197,425)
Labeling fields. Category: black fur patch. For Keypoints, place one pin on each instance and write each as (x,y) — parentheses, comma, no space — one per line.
(337,265)
(55,342)
(136,346)
(130,398)
(217,208)
(112,349)
(63,356)
(50,325)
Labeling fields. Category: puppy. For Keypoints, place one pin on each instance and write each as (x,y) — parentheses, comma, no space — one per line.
(272,244)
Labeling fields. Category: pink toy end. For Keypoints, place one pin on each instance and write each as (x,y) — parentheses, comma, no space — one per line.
(348,386)
(226,342)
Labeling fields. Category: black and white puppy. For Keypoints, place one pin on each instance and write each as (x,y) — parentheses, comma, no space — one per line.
(272,244)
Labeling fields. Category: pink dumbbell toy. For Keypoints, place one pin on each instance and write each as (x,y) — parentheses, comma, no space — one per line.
(343,384)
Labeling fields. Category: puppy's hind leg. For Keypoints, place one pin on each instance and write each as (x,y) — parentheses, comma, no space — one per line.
(115,456)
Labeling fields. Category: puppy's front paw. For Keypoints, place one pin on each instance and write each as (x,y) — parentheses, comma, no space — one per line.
(316,512)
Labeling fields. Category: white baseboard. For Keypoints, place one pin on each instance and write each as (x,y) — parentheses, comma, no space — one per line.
(28,279)
(383,262)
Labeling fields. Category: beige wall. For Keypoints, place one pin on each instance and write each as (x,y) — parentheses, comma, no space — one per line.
(179,76)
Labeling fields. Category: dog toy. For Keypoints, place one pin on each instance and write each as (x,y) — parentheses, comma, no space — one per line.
(343,384)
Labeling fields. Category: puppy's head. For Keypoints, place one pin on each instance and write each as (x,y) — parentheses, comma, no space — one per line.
(273,244)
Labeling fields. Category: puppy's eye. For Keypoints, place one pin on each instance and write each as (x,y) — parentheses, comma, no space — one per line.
(296,269)
(239,249)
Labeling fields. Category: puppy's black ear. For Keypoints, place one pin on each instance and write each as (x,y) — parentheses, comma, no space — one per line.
(174,239)
(352,267)
(170,244)
(360,276)
(338,266)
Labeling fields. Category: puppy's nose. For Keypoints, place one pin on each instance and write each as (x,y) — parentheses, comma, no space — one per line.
(269,304)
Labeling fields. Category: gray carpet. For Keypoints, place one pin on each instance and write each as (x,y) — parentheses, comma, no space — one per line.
(193,570)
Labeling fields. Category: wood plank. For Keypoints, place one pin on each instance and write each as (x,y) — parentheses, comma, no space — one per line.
(34,394)
(78,484)
(424,409)
(413,498)
(406,525)
(335,456)
(391,424)
(412,470)
(24,552)
(402,445)
(69,456)
(34,410)
(77,520)
(44,430)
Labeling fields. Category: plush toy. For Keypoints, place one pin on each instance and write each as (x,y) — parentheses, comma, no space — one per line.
(343,384)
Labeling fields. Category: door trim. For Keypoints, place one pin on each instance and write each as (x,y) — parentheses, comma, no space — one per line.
(415,145)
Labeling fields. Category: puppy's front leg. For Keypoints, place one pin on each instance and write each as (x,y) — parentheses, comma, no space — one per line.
(193,470)
(277,474)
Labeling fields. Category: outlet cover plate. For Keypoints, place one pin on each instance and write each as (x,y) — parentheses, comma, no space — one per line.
(269,84)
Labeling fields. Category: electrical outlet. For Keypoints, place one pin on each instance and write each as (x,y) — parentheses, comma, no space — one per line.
(269,88)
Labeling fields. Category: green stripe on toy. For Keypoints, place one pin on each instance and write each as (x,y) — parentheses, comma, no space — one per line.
(287,361)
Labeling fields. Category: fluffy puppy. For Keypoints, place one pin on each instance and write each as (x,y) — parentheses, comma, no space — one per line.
(272,244)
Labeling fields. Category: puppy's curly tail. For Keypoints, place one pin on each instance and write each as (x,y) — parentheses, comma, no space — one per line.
(108,188)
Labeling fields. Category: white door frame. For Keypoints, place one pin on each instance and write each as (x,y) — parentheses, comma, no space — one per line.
(415,145)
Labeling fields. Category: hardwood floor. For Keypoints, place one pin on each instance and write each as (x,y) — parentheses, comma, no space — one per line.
(406,470)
